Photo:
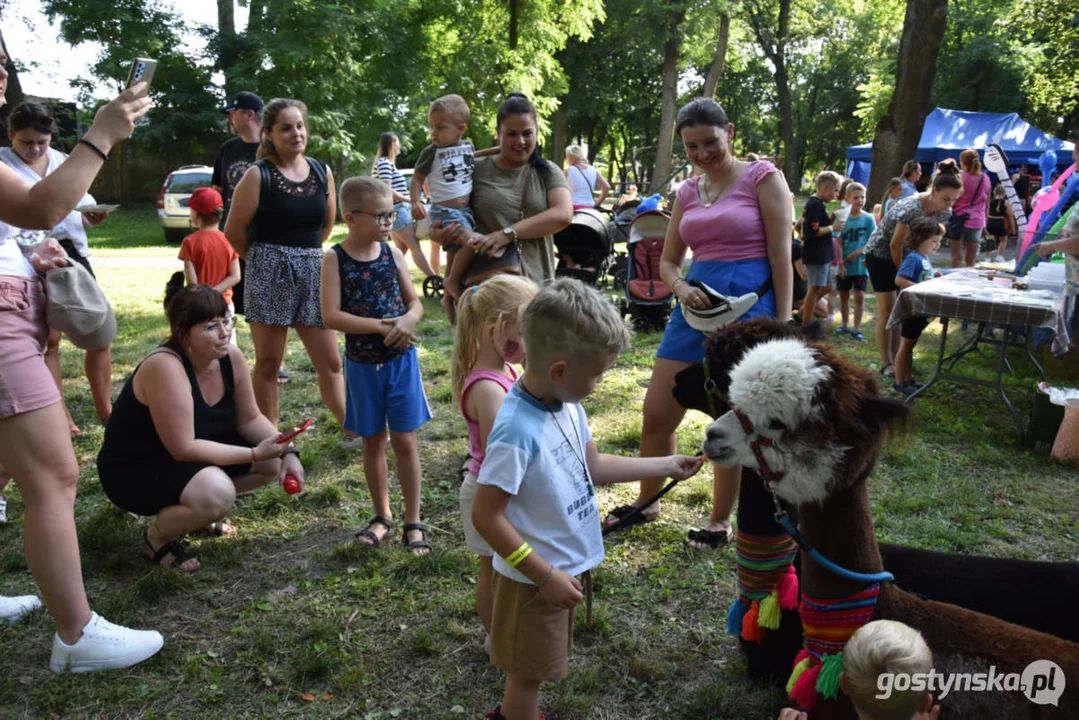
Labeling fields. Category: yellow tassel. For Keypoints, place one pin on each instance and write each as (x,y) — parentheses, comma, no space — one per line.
(796,673)
(769,613)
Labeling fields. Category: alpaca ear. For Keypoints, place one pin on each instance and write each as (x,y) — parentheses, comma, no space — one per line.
(813,332)
(689,389)
(885,416)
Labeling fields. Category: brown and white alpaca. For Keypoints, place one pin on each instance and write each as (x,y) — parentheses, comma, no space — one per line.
(989,585)
(812,422)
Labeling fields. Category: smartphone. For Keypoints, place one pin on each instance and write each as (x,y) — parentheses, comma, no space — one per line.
(303,428)
(142,70)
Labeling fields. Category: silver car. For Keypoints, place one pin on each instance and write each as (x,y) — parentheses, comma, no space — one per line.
(172,200)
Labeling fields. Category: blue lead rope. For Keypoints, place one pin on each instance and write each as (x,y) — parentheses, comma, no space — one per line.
(782,519)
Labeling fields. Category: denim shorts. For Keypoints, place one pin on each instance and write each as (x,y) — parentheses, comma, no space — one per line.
(404,216)
(392,392)
(819,275)
(447,215)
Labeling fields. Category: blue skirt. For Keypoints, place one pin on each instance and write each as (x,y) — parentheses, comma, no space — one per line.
(729,277)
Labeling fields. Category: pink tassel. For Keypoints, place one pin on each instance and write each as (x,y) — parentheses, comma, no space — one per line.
(787,588)
(750,629)
(803,654)
(804,691)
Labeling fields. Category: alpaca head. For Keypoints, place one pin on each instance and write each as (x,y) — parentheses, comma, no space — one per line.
(813,417)
(723,349)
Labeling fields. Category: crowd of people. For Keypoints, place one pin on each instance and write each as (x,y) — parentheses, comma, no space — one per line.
(204,426)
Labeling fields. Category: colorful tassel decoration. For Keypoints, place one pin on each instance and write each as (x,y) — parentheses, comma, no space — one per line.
(804,691)
(770,614)
(787,588)
(828,680)
(801,664)
(735,615)
(750,629)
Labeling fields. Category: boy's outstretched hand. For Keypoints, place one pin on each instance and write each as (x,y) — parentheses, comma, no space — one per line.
(681,467)
(562,590)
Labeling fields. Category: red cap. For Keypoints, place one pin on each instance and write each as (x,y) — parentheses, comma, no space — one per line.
(205,200)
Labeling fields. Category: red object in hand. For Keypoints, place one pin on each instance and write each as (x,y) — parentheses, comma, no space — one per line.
(291,484)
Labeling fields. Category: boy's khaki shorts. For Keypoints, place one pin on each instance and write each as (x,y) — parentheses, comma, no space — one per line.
(530,638)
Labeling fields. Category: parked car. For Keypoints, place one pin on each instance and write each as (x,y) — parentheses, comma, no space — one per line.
(172,200)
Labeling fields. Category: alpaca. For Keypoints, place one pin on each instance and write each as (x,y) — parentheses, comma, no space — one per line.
(813,425)
(988,585)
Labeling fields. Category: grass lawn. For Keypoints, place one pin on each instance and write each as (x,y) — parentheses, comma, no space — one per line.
(293,618)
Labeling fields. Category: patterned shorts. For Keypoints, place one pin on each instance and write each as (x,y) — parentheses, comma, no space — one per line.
(282,285)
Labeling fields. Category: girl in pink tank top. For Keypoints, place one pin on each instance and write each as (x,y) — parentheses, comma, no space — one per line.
(487,344)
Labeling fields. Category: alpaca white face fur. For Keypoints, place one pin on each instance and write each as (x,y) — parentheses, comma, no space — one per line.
(774,385)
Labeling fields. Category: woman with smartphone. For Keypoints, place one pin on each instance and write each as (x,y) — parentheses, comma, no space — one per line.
(35,441)
(282,211)
(186,435)
(30,129)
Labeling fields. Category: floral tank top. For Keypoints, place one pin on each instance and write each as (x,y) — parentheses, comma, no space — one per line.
(369,289)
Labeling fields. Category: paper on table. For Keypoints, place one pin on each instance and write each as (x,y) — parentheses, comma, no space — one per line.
(96,208)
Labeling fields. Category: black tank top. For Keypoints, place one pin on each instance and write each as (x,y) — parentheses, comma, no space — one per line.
(290,213)
(130,435)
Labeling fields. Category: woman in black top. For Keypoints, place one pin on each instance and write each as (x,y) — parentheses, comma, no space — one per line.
(282,211)
(185,435)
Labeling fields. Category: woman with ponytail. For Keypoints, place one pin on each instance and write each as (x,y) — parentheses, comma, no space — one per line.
(282,211)
(974,203)
(519,201)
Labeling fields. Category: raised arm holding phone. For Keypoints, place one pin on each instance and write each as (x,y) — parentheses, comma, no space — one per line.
(35,442)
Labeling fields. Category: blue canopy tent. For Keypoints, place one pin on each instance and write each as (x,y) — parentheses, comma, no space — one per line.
(949,132)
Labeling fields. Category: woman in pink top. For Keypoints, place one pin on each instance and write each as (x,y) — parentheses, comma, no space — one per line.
(975,203)
(736,217)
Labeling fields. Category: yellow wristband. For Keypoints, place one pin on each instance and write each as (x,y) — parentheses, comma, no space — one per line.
(517,556)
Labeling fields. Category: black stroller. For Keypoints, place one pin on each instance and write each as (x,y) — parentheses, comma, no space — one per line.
(585,248)
(648,299)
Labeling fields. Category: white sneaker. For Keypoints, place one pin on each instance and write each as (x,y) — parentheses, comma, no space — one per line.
(14,609)
(352,443)
(3,510)
(104,646)
(999,258)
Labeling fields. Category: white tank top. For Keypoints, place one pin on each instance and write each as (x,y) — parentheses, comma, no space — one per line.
(581,184)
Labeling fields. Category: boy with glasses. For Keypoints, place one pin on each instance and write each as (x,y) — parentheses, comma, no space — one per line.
(367,294)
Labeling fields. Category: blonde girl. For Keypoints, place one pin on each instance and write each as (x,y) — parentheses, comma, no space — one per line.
(893,192)
(487,344)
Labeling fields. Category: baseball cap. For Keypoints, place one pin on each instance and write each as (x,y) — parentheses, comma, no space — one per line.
(77,307)
(205,200)
(243,101)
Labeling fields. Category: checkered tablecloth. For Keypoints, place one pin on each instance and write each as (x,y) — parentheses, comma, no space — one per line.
(968,295)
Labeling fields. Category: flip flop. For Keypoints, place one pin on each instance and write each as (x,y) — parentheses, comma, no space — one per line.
(622,511)
(714,539)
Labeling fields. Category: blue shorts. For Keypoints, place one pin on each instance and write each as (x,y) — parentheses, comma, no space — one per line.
(737,277)
(819,275)
(389,392)
(447,215)
(404,216)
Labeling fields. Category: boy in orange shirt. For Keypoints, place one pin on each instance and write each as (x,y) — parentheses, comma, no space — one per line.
(208,257)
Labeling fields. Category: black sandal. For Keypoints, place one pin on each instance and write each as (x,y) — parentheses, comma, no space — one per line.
(714,539)
(415,545)
(370,535)
(621,512)
(169,554)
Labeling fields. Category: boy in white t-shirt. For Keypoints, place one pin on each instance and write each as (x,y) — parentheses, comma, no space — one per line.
(446,166)
(535,504)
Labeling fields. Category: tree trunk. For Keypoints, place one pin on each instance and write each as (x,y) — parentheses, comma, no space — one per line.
(13,95)
(671,51)
(791,171)
(771,34)
(515,22)
(716,71)
(895,139)
(227,52)
(558,137)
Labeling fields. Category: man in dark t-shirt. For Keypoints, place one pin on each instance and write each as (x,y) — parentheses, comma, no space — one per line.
(244,113)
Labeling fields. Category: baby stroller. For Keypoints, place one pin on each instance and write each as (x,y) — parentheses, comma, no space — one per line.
(648,299)
(586,245)
(618,228)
